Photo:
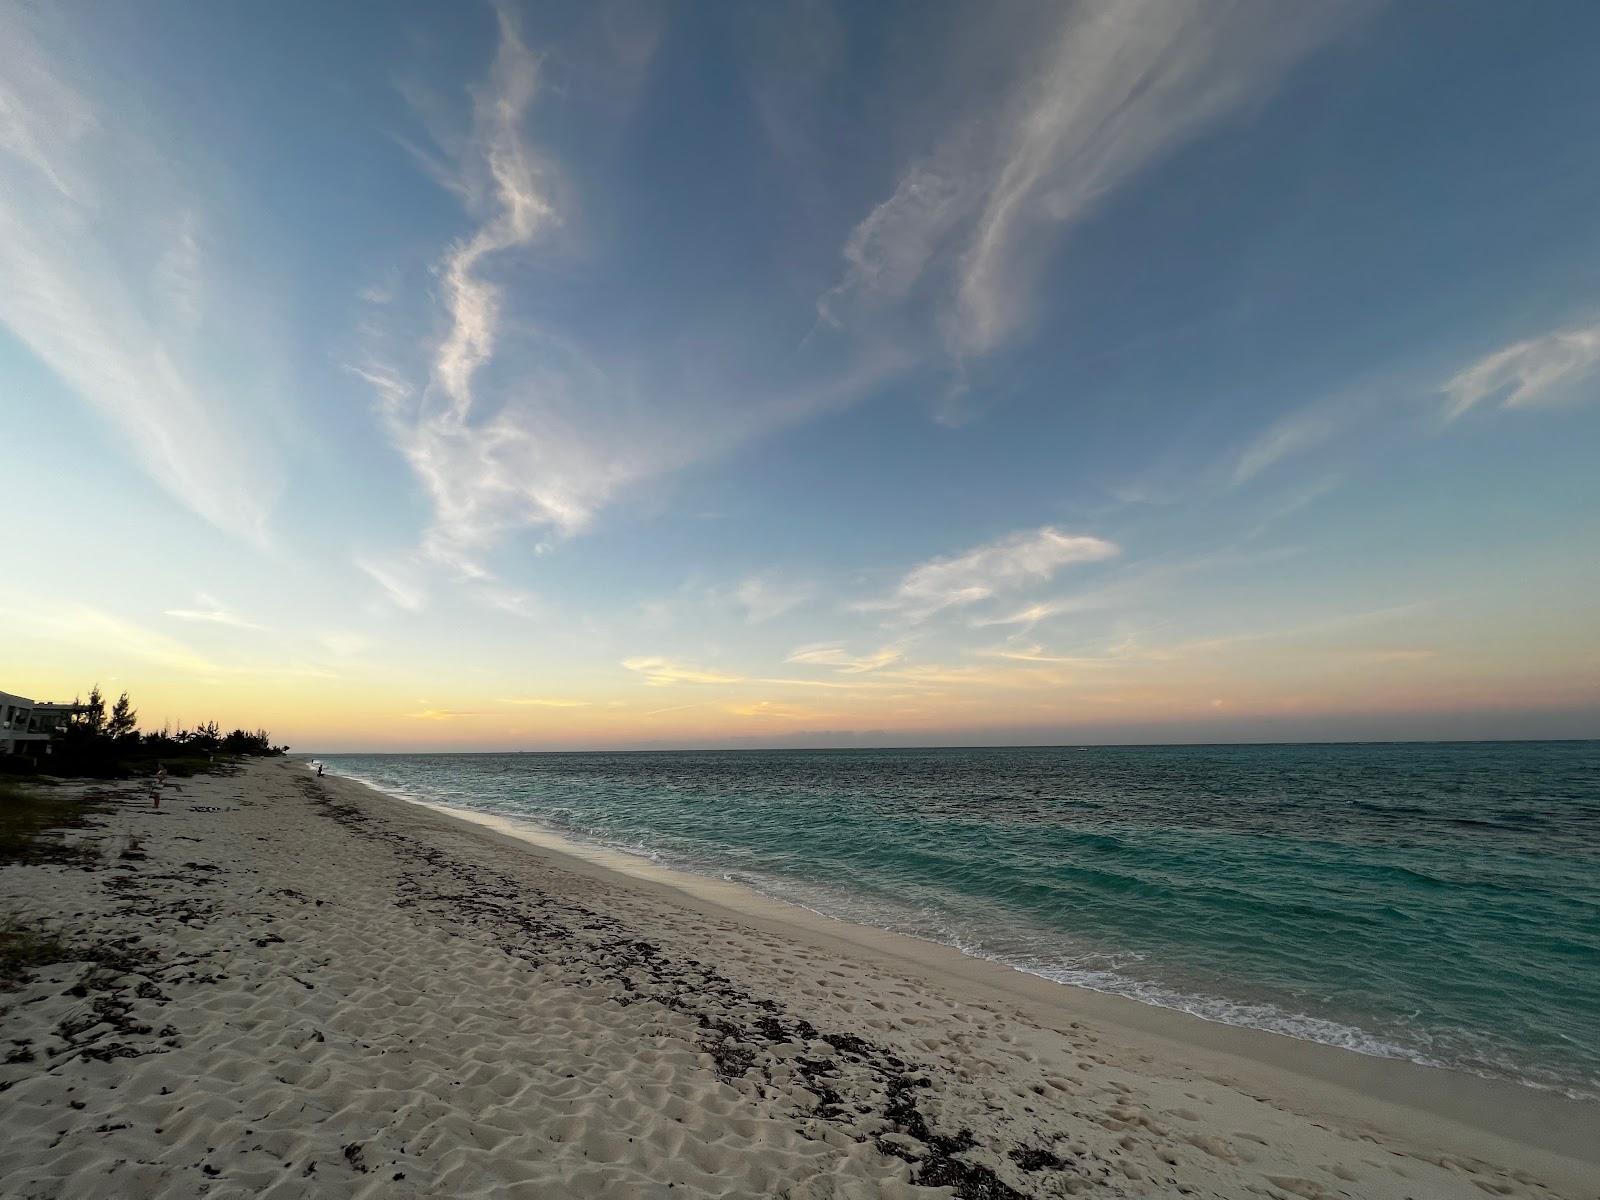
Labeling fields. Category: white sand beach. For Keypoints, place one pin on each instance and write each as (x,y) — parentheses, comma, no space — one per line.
(303,988)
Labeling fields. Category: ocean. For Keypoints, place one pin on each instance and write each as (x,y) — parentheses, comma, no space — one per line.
(1435,902)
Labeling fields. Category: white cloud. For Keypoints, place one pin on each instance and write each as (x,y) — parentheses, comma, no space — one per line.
(512,427)
(102,262)
(888,251)
(1033,652)
(660,672)
(113,641)
(518,604)
(94,630)
(1135,586)
(1118,86)
(833,654)
(180,273)
(486,473)
(398,584)
(520,211)
(1316,629)
(214,612)
(1030,556)
(1292,435)
(1541,370)
(764,597)
(345,644)
(934,678)
(1030,614)
(776,709)
(42,118)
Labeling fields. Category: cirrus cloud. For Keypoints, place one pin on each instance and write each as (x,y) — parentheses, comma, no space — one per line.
(833,654)
(1113,90)
(106,269)
(1003,565)
(1539,370)
(661,672)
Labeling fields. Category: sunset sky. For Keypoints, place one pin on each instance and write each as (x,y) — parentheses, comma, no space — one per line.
(622,375)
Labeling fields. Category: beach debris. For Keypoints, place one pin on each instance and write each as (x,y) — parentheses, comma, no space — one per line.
(857,1087)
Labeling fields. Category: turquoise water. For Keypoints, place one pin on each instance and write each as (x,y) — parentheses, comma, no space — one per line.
(1436,902)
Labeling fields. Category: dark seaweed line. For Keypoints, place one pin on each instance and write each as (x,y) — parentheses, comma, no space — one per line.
(535,927)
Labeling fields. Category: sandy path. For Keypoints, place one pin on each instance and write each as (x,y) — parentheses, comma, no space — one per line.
(320,992)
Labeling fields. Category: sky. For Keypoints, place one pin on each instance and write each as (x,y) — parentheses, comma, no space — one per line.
(615,375)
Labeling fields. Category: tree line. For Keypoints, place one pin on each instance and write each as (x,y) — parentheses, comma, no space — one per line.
(105,742)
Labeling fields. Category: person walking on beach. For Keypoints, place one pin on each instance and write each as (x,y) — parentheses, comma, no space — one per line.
(161,782)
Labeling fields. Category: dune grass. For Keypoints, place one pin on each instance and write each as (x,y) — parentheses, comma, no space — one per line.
(34,816)
(25,946)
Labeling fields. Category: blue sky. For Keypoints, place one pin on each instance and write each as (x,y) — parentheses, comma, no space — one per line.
(629,374)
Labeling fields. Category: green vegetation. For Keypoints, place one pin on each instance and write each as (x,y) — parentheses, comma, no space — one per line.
(34,817)
(36,813)
(24,947)
(105,745)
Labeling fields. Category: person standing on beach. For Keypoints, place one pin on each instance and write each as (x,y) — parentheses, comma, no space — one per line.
(161,782)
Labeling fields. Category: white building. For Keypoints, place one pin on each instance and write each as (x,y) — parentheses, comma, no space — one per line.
(26,727)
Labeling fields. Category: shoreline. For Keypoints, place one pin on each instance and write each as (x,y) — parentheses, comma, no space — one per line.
(305,989)
(1299,1069)
(1428,928)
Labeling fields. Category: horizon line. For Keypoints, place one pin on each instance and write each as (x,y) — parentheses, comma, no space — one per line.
(980,746)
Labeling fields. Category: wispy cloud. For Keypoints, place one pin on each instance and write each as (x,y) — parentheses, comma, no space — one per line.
(1540,370)
(519,211)
(775,709)
(1290,436)
(397,583)
(833,654)
(1011,562)
(485,474)
(1135,585)
(544,702)
(92,629)
(888,251)
(513,426)
(1308,631)
(1133,649)
(510,600)
(764,597)
(214,612)
(102,259)
(940,675)
(1030,614)
(664,671)
(1117,87)
(114,640)
(1033,652)
(672,708)
(660,671)
(344,643)
(1400,655)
